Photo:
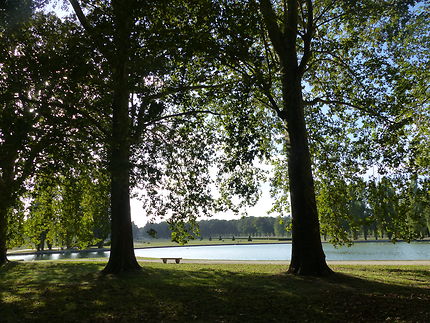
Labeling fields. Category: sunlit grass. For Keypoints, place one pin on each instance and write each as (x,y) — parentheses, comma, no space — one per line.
(75,291)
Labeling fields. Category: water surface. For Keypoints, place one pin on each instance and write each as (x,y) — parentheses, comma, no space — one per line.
(359,251)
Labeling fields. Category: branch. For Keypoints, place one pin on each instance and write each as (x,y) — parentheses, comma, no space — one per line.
(272,101)
(361,108)
(71,108)
(267,54)
(141,126)
(342,63)
(307,39)
(334,18)
(170,116)
(275,33)
(172,90)
(90,30)
(302,13)
(81,17)
(326,9)
(28,167)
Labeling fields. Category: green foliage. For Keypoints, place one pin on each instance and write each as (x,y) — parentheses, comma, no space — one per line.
(34,133)
(70,211)
(96,207)
(15,225)
(342,210)
(152,233)
(282,226)
(174,113)
(394,209)
(361,96)
(42,214)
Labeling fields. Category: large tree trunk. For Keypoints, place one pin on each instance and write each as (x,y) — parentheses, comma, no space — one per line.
(122,257)
(3,233)
(307,256)
(6,201)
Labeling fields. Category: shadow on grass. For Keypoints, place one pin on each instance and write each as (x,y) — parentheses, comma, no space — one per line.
(63,291)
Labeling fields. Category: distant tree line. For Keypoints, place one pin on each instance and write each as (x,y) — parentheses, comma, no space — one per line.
(214,228)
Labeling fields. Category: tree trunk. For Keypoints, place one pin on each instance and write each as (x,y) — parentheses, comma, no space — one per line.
(6,198)
(122,257)
(3,233)
(307,257)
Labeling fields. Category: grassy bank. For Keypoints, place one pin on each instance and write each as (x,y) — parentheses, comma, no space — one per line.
(75,292)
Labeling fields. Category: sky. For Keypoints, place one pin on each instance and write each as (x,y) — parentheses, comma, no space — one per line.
(260,209)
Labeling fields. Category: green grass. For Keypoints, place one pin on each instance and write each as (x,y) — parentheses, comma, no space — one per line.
(73,291)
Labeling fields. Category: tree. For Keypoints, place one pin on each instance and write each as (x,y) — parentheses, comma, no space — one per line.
(70,209)
(335,83)
(96,206)
(307,256)
(156,134)
(281,226)
(29,123)
(40,222)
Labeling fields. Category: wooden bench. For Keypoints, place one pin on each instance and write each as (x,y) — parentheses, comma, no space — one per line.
(177,260)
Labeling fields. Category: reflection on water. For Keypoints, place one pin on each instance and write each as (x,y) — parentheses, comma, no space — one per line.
(63,255)
(359,251)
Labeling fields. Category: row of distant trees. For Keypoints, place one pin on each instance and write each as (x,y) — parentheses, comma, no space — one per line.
(214,228)
(73,212)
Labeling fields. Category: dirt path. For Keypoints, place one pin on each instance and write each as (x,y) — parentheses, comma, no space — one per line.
(271,262)
(283,262)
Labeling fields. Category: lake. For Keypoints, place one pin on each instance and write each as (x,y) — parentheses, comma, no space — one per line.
(359,251)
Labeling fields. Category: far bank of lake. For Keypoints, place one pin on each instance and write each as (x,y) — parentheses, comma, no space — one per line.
(279,251)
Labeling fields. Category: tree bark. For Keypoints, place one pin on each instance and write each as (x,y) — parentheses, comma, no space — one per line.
(307,256)
(122,257)
(6,201)
(3,233)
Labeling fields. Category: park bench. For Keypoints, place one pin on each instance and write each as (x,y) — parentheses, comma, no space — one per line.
(177,260)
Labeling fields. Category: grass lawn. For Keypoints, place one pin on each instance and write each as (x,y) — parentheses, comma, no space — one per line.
(73,291)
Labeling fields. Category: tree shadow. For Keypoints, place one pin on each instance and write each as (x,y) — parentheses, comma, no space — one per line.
(183,293)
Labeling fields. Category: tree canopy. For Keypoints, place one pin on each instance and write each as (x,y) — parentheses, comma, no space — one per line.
(176,98)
